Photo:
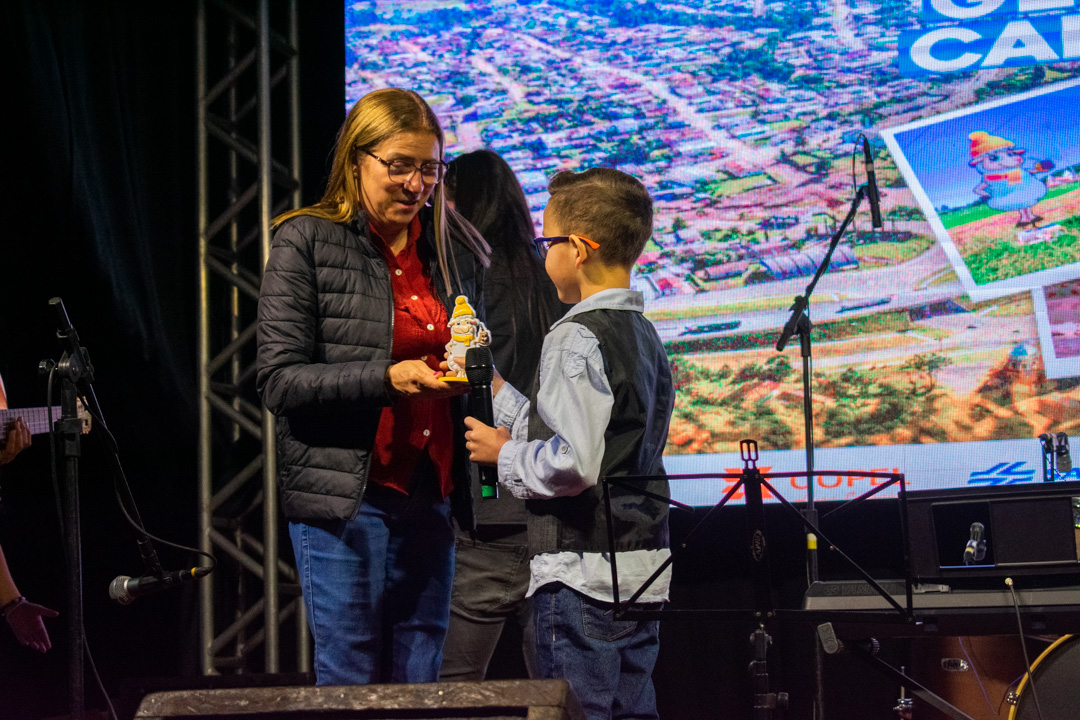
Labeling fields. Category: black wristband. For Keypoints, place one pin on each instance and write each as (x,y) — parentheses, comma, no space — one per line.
(11,605)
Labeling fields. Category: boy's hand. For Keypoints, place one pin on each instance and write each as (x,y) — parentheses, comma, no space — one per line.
(484,442)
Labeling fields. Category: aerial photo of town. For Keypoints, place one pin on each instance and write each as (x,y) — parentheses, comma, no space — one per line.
(743,119)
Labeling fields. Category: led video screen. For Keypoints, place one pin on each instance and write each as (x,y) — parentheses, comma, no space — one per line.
(943,344)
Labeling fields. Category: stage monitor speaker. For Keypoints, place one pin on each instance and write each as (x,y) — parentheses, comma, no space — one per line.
(1029,529)
(491,700)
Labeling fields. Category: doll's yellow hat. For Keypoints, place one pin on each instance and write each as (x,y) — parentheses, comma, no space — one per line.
(462,307)
(983,142)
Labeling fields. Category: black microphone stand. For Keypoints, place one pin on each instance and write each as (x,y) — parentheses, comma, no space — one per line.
(799,322)
(77,378)
(75,370)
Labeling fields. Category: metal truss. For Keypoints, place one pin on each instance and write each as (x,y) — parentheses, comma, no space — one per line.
(247,83)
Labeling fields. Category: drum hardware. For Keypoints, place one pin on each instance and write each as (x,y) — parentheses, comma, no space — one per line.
(1058,694)
(951,664)
(903,703)
(867,650)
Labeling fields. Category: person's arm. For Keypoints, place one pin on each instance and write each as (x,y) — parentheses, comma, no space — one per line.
(288,312)
(575,402)
(23,616)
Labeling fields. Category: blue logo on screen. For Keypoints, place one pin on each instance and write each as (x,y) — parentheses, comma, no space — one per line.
(1002,474)
(959,35)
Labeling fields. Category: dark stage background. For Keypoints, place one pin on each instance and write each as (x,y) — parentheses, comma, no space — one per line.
(101,212)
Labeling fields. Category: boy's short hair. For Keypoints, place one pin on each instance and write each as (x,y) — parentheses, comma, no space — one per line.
(607,206)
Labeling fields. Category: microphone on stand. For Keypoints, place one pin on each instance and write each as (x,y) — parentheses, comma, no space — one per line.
(871,186)
(480,370)
(69,339)
(1061,449)
(125,589)
(976,547)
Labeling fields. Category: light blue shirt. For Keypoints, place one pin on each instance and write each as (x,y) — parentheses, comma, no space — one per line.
(574,400)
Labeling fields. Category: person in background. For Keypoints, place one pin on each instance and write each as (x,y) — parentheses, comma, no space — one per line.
(22,616)
(492,564)
(601,409)
(352,329)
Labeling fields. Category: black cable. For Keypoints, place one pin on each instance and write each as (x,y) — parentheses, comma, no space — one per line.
(854,153)
(1023,646)
(120,478)
(97,677)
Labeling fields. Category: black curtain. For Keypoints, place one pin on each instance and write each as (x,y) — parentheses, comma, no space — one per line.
(100,207)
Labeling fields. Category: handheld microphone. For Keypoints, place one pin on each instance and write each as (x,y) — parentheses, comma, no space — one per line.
(871,186)
(480,370)
(1064,461)
(125,589)
(976,547)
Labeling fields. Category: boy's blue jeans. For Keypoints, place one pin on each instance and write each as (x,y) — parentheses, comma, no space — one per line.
(377,588)
(608,663)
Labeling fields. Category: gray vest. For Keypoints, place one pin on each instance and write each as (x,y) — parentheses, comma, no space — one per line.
(640,379)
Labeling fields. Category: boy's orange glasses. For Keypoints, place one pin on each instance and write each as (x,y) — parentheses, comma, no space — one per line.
(543,244)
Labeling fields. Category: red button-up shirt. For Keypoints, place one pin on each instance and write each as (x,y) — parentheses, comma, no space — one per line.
(408,428)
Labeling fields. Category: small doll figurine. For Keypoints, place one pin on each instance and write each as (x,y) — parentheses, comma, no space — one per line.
(465,331)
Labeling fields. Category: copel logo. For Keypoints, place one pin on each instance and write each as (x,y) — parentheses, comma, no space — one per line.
(850,484)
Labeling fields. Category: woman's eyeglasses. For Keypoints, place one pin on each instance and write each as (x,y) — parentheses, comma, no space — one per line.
(402,171)
(543,244)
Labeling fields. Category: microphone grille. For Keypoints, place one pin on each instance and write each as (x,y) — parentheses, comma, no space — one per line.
(1064,461)
(479,364)
(118,590)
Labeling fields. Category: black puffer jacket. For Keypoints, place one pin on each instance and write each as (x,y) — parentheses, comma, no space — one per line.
(324,336)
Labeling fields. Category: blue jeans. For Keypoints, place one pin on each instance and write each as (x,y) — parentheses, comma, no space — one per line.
(608,663)
(377,587)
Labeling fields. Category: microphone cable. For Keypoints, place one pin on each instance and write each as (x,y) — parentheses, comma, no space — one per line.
(133,519)
(1023,646)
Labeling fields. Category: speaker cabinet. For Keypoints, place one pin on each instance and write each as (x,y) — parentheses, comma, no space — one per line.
(1029,529)
(491,700)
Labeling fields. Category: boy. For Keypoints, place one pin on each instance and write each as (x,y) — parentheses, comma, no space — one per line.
(602,408)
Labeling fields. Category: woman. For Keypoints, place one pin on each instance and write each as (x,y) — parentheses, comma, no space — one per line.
(492,564)
(353,315)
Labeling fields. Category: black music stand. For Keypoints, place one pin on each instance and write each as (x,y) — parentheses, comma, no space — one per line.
(751,480)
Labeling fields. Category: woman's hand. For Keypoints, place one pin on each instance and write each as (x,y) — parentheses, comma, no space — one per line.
(414,379)
(25,622)
(484,442)
(18,439)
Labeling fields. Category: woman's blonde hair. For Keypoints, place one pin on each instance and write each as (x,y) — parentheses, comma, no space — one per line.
(375,118)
